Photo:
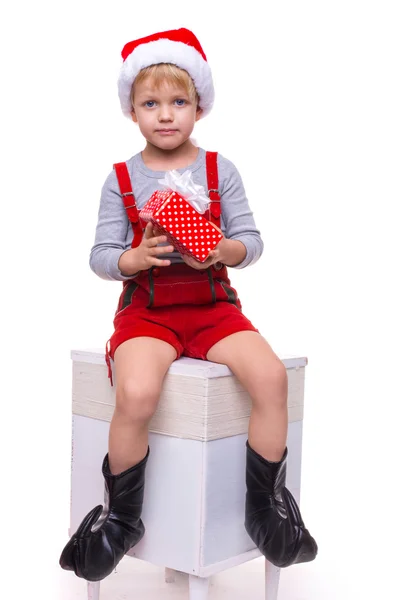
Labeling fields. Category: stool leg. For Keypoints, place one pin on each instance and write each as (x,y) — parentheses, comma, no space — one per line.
(169,575)
(198,587)
(93,590)
(272,574)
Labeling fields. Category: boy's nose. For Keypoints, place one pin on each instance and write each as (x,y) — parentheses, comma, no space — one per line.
(165,114)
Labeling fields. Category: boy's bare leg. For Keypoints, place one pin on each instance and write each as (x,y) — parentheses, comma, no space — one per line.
(140,367)
(264,376)
(272,517)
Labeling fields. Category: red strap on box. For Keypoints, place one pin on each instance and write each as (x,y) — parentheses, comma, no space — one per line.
(125,187)
(214,212)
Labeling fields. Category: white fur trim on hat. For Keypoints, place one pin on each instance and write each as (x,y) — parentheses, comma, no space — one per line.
(166,51)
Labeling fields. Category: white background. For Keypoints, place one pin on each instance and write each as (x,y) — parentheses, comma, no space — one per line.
(307,107)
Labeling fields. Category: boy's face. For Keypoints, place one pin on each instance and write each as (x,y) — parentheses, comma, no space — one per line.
(166,116)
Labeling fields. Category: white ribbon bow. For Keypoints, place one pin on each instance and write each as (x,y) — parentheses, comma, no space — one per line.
(187,188)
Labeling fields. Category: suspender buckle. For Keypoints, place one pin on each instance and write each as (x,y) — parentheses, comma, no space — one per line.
(213,192)
(129,194)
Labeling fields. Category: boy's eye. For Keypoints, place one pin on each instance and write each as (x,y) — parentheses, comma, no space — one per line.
(149,103)
(180,102)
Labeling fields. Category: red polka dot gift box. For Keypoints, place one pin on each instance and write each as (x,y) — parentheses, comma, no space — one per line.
(185,227)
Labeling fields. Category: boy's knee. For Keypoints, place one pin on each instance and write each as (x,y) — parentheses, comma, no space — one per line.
(271,386)
(277,379)
(137,401)
(279,374)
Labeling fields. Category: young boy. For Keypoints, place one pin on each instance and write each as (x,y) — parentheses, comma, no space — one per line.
(172,304)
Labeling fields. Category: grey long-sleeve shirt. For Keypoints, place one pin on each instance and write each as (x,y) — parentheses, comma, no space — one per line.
(114,232)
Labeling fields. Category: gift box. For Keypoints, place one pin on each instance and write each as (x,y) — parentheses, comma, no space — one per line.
(184,227)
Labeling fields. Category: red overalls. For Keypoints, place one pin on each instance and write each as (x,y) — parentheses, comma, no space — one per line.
(188,308)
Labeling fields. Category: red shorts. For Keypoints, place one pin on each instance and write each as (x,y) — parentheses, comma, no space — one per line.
(189,309)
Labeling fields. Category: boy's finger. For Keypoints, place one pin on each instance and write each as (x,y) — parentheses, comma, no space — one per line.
(157,240)
(148,232)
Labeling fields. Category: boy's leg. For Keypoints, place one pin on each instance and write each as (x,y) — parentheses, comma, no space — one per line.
(272,517)
(140,366)
(108,532)
(263,375)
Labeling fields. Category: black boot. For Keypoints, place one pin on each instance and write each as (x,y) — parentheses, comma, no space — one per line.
(273,519)
(106,534)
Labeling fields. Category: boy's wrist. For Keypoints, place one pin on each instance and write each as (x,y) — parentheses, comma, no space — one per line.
(126,265)
(231,252)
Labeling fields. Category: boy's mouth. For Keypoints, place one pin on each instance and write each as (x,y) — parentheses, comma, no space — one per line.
(166,131)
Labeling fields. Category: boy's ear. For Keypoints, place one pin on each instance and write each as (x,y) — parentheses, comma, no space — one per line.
(133,115)
(199,112)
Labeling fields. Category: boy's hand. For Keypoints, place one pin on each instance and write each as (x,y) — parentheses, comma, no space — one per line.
(214,257)
(145,255)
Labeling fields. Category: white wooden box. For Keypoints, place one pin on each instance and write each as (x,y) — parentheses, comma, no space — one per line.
(195,478)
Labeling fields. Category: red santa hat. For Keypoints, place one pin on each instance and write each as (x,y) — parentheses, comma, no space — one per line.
(179,47)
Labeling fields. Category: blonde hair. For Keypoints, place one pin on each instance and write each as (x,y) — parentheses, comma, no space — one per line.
(167,73)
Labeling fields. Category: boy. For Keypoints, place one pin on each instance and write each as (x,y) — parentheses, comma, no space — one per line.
(172,304)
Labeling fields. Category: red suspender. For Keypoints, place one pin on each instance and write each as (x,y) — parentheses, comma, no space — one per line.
(125,187)
(214,212)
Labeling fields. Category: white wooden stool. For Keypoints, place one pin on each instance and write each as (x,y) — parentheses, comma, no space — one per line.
(195,488)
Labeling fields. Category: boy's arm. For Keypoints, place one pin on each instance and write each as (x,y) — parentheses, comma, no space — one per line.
(111,233)
(243,245)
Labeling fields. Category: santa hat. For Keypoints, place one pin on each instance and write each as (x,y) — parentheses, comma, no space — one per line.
(179,47)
